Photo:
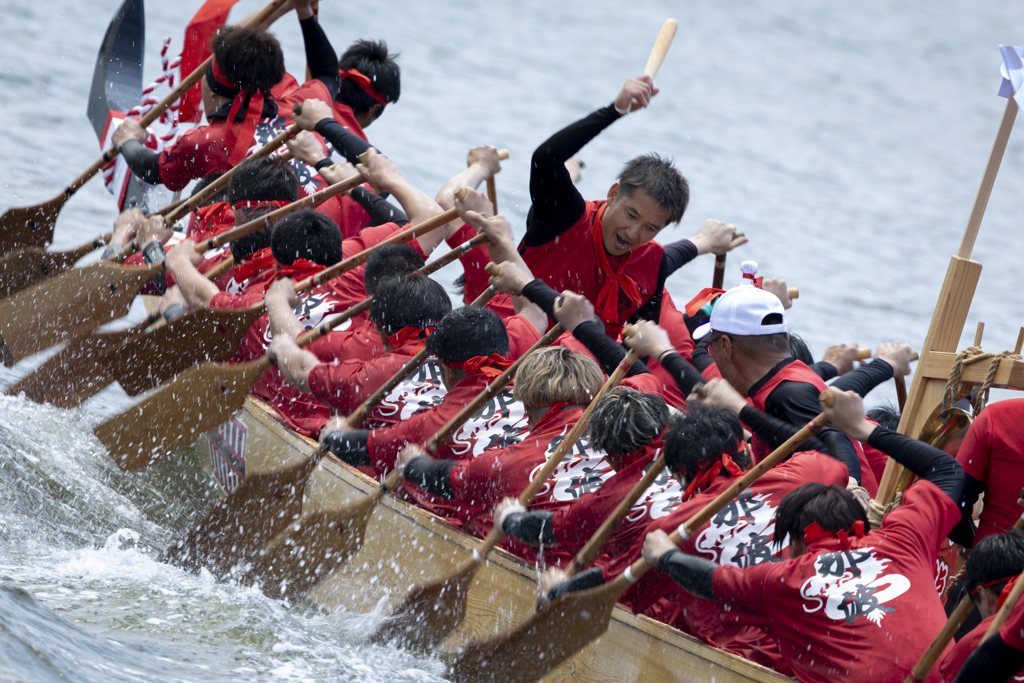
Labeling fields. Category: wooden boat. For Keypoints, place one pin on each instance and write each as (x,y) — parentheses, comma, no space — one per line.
(405,545)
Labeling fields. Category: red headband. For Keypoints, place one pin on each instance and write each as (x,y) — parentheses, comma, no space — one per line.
(253,204)
(814,532)
(756,280)
(708,474)
(406,334)
(219,76)
(365,84)
(492,365)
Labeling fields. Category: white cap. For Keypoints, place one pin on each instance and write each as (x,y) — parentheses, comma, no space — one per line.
(741,310)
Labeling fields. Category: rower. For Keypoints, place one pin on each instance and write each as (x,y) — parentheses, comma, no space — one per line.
(850,603)
(605,249)
(241,112)
(989,575)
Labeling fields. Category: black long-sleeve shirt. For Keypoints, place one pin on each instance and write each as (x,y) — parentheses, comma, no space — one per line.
(558,205)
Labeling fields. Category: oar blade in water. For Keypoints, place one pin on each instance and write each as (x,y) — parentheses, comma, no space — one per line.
(540,643)
(431,610)
(259,509)
(73,375)
(206,334)
(30,226)
(67,306)
(196,401)
(23,268)
(306,552)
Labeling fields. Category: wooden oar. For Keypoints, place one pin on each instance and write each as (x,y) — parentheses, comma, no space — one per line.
(924,665)
(209,334)
(573,620)
(32,226)
(718,278)
(74,303)
(304,553)
(167,419)
(432,610)
(254,514)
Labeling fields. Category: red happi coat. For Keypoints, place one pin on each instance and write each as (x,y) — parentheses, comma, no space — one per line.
(964,648)
(797,371)
(573,262)
(480,484)
(852,608)
(740,535)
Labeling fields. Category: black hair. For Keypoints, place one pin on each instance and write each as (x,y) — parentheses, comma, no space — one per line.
(886,416)
(370,58)
(797,346)
(244,247)
(625,419)
(263,179)
(832,507)
(412,300)
(203,183)
(388,261)
(306,234)
(250,58)
(701,435)
(657,177)
(467,332)
(998,556)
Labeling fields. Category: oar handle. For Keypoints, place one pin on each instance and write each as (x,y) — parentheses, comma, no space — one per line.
(589,552)
(718,278)
(901,392)
(489,392)
(931,655)
(163,211)
(1004,611)
(687,528)
(661,46)
(794,292)
(221,268)
(351,262)
(453,255)
(492,194)
(182,209)
(258,224)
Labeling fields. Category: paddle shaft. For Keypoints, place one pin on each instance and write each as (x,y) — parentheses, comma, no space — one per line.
(589,552)
(686,530)
(172,97)
(931,655)
(718,279)
(661,46)
(220,183)
(1007,607)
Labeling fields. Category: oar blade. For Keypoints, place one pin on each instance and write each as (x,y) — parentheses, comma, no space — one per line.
(237,527)
(23,268)
(430,612)
(540,643)
(206,334)
(67,307)
(30,226)
(72,375)
(196,401)
(308,551)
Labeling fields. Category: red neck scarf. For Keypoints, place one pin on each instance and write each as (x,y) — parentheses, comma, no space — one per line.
(299,270)
(407,334)
(256,263)
(756,281)
(607,303)
(365,84)
(1005,593)
(238,140)
(211,220)
(708,473)
(549,416)
(814,532)
(491,366)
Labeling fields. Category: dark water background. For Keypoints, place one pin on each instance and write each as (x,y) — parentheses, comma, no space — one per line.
(847,140)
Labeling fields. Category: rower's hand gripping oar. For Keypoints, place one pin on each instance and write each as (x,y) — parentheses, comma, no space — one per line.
(431,611)
(572,620)
(81,299)
(266,503)
(32,226)
(205,396)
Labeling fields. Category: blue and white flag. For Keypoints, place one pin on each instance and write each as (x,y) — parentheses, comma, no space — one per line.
(1012,69)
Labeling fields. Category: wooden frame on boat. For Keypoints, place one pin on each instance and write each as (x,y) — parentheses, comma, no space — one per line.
(405,545)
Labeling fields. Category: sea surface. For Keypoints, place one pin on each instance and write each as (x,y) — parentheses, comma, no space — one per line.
(847,140)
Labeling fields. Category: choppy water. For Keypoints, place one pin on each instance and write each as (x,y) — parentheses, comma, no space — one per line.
(847,140)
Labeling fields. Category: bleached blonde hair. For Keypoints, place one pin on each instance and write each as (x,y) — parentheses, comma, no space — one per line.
(557,374)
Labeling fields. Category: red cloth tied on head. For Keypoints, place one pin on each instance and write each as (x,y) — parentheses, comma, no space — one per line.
(407,334)
(703,298)
(607,303)
(755,280)
(491,366)
(364,83)
(254,204)
(300,269)
(708,473)
(814,532)
(256,264)
(239,140)
(1005,593)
